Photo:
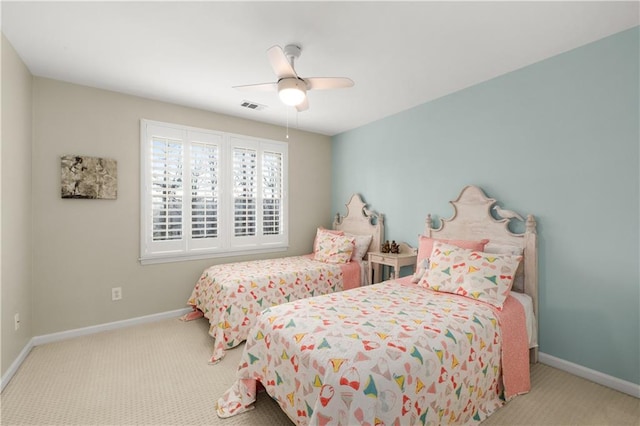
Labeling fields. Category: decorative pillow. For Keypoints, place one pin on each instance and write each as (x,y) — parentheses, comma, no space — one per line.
(518,281)
(332,248)
(421,268)
(362,243)
(425,246)
(322,230)
(471,273)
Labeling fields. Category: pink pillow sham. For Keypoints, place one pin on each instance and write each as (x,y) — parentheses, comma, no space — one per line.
(425,246)
(334,248)
(481,276)
(319,234)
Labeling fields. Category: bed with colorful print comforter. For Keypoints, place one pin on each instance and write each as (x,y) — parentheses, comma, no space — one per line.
(392,353)
(232,295)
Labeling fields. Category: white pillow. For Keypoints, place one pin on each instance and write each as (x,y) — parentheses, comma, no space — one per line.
(362,243)
(497,248)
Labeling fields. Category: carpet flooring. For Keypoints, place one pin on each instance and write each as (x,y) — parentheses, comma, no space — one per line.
(157,374)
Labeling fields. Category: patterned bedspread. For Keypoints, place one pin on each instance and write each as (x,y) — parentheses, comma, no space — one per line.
(231,295)
(386,354)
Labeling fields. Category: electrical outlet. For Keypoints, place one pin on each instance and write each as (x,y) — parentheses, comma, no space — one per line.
(16,321)
(116,293)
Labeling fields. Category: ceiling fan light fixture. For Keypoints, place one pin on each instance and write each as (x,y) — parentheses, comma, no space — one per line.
(292,91)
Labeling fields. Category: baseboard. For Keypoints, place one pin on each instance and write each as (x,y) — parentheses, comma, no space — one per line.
(13,368)
(69,334)
(589,374)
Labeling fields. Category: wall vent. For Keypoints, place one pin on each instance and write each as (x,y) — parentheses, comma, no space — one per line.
(252,105)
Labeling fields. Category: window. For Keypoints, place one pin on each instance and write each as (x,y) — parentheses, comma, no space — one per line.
(208,194)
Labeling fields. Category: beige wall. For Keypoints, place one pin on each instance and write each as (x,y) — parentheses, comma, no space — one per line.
(15,178)
(83,248)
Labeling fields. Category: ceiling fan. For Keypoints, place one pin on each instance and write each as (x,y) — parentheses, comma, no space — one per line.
(291,88)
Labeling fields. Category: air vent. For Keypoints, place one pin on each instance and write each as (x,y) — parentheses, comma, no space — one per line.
(252,105)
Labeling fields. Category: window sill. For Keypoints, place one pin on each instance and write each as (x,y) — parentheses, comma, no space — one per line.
(152,260)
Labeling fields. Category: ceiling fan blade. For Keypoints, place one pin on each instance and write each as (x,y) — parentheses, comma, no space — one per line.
(279,63)
(304,105)
(322,83)
(263,87)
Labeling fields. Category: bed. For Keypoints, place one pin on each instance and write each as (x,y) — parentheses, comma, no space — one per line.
(231,295)
(403,351)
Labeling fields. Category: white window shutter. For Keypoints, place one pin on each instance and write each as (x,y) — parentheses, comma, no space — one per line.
(272,192)
(204,198)
(163,191)
(208,194)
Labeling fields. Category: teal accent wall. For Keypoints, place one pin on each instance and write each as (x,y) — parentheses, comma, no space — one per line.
(558,139)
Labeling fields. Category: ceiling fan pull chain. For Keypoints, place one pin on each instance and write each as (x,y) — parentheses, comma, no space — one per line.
(287,109)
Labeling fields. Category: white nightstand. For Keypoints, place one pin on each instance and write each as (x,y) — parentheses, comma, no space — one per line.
(406,257)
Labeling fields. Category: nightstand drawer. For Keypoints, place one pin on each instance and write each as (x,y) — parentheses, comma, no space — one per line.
(376,258)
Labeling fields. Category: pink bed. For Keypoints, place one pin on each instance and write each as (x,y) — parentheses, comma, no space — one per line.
(403,352)
(232,295)
(390,353)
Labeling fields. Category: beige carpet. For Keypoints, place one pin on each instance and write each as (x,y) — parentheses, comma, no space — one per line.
(157,374)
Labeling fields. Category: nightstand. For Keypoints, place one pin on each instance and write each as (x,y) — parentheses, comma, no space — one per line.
(406,257)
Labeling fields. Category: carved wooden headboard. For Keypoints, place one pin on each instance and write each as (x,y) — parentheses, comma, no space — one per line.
(361,221)
(472,220)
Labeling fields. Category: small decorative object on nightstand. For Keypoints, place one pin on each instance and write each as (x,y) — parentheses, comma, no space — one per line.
(404,256)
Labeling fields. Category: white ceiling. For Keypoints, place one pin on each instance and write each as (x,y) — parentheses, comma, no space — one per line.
(399,54)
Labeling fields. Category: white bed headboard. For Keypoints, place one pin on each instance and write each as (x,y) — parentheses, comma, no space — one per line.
(361,221)
(472,220)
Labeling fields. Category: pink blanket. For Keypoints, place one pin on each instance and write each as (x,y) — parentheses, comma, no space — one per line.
(515,349)
(350,275)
